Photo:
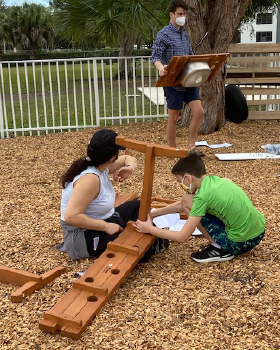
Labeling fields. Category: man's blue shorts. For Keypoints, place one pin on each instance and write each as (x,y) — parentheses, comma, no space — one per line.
(216,229)
(175,96)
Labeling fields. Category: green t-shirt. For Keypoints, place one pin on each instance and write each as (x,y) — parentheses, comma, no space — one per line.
(228,202)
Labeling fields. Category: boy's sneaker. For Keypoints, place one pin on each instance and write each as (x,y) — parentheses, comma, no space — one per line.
(211,253)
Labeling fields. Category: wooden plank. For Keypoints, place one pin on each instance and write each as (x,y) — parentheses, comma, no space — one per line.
(73,320)
(158,150)
(252,90)
(106,271)
(18,295)
(73,310)
(82,285)
(163,200)
(64,319)
(29,282)
(253,70)
(16,276)
(122,198)
(259,115)
(253,62)
(123,248)
(263,102)
(66,300)
(93,306)
(256,48)
(250,81)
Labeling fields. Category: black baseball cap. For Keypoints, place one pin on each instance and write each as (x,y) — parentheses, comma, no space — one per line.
(105,139)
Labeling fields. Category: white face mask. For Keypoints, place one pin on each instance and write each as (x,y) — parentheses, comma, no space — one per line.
(180,21)
(188,189)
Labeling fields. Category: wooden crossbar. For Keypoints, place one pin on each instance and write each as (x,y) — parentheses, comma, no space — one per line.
(77,308)
(29,282)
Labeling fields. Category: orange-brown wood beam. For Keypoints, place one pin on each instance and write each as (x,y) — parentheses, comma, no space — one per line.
(29,282)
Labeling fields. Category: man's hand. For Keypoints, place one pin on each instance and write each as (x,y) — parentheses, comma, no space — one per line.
(163,71)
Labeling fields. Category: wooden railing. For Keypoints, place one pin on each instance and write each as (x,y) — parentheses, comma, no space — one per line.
(255,68)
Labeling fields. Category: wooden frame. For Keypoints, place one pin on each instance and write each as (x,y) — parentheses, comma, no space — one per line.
(29,282)
(177,63)
(77,308)
(255,68)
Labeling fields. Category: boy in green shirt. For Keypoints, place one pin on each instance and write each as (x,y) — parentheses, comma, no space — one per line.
(219,208)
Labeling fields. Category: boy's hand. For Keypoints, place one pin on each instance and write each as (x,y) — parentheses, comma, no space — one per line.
(144,226)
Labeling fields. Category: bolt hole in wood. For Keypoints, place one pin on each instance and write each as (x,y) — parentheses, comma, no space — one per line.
(89,279)
(115,271)
(92,298)
(110,255)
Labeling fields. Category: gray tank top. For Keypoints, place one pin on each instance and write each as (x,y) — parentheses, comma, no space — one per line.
(101,207)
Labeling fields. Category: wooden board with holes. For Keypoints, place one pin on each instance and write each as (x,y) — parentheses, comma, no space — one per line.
(177,63)
(83,301)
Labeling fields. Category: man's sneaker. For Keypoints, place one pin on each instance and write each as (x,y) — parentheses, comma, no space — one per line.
(211,253)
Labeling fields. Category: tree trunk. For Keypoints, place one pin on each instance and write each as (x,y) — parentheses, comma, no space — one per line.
(2,46)
(126,43)
(211,26)
(32,50)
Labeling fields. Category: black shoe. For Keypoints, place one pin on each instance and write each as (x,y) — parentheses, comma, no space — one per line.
(211,253)
(159,246)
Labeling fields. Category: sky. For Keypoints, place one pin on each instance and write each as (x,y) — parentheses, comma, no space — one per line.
(20,2)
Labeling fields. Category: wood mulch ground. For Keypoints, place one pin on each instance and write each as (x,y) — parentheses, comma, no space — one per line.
(169,303)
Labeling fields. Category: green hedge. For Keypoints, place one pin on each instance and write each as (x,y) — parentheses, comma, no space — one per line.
(21,56)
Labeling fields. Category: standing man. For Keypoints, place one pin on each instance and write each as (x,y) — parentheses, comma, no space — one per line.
(172,40)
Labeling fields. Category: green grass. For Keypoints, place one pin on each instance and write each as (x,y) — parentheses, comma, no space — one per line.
(32,104)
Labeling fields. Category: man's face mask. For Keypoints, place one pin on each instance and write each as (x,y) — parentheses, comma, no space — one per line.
(180,21)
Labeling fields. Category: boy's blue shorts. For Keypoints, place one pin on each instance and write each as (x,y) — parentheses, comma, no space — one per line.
(176,97)
(216,229)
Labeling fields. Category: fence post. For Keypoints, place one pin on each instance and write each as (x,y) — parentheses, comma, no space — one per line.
(1,118)
(96,93)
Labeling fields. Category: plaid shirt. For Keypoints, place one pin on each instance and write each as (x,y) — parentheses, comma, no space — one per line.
(170,42)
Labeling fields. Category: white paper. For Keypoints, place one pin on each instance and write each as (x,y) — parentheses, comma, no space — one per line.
(166,220)
(174,223)
(218,145)
(201,143)
(245,156)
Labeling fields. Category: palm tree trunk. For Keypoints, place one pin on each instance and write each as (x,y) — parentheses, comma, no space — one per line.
(126,43)
(32,49)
